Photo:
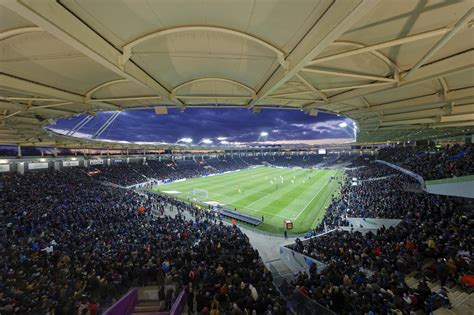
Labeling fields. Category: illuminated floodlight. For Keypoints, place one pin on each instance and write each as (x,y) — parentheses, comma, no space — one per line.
(221,138)
(185,140)
(263,134)
(206,141)
(343,124)
(224,142)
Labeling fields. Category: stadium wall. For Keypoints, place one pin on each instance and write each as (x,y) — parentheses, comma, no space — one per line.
(372,223)
(298,262)
(458,186)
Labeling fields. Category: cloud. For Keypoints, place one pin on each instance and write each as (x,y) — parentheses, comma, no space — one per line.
(230,125)
(326,126)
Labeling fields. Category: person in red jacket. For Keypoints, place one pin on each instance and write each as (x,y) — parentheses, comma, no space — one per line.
(92,307)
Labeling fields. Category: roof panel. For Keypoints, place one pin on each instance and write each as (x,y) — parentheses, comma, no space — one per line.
(9,20)
(81,48)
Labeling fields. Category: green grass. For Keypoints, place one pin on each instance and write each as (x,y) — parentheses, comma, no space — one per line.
(302,197)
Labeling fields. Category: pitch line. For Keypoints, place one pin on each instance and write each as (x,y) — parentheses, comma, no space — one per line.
(242,206)
(268,195)
(319,191)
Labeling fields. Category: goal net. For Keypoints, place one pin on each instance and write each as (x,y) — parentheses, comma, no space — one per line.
(199,194)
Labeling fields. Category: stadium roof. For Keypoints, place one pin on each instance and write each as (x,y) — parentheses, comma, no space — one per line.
(403,70)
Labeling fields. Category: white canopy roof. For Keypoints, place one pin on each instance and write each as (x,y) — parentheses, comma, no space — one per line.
(403,70)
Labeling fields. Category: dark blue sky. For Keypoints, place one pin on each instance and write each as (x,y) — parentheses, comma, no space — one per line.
(235,125)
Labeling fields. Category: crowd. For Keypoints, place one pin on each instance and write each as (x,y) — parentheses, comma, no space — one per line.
(433,162)
(73,246)
(127,174)
(371,190)
(298,160)
(366,273)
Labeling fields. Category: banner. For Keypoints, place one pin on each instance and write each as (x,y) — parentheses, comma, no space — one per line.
(35,166)
(372,223)
(4,167)
(96,162)
(70,163)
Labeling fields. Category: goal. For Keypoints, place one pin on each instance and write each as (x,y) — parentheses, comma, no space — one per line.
(199,194)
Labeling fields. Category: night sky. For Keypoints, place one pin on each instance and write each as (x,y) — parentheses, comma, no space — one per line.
(227,126)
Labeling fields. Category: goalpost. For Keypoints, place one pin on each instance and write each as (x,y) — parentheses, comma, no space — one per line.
(199,194)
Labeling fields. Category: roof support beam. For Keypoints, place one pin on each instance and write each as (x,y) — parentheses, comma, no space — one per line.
(352,87)
(410,122)
(457,27)
(73,32)
(348,74)
(101,86)
(32,99)
(312,88)
(237,97)
(456,64)
(79,125)
(23,86)
(294,99)
(444,85)
(338,18)
(419,103)
(383,45)
(289,94)
(215,79)
(410,104)
(415,114)
(129,98)
(127,49)
(376,53)
(19,31)
(107,123)
(453,124)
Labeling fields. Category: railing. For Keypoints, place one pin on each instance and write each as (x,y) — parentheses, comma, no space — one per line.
(299,303)
(405,171)
(180,302)
(125,305)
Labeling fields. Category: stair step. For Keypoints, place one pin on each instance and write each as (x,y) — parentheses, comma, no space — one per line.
(459,299)
(148,302)
(146,308)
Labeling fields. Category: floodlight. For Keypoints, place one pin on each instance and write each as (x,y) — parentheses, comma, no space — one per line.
(343,124)
(263,134)
(221,138)
(206,141)
(224,142)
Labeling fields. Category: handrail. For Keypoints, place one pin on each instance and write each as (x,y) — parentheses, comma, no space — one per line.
(180,302)
(125,305)
(405,171)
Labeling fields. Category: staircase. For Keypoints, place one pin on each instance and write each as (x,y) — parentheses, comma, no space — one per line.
(145,301)
(461,301)
(146,307)
(148,302)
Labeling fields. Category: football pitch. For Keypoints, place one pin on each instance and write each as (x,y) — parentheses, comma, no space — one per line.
(277,194)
